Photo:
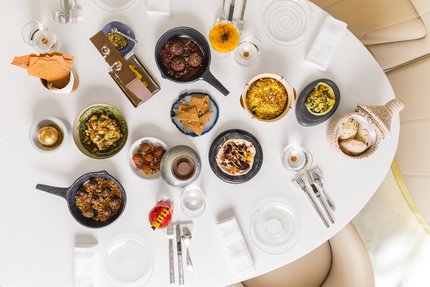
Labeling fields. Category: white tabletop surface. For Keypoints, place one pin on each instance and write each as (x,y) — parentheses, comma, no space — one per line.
(38,233)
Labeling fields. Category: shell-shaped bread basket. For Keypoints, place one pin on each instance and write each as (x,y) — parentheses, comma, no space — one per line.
(379,117)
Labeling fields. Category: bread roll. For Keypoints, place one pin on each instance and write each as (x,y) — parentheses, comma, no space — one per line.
(352,146)
(350,129)
(363,135)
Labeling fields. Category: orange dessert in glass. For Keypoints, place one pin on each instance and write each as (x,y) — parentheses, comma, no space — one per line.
(224,36)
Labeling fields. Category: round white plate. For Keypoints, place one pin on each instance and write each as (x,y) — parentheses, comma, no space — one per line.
(128,261)
(273,226)
(133,150)
(287,22)
(115,5)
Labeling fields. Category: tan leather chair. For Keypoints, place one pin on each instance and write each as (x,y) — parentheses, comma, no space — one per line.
(411,85)
(342,261)
(395,31)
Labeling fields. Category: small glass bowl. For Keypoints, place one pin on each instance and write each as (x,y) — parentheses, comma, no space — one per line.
(296,158)
(248,51)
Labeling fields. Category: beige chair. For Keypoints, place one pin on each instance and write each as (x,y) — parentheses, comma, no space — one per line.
(407,63)
(395,31)
(410,83)
(340,262)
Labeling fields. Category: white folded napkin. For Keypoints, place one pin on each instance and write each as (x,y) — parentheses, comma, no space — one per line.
(158,7)
(84,265)
(324,44)
(237,249)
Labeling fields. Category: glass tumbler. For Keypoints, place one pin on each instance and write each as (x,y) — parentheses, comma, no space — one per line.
(193,202)
(40,37)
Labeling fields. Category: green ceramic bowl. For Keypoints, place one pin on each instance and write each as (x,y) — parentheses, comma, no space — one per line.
(87,145)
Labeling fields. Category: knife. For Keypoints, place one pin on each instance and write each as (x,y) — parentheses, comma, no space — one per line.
(240,23)
(302,186)
(179,249)
(322,200)
(170,235)
(230,11)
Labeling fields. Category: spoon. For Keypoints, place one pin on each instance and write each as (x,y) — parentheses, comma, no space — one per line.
(318,180)
(116,31)
(186,237)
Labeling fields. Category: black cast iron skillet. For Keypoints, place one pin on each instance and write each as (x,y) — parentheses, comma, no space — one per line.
(69,193)
(204,73)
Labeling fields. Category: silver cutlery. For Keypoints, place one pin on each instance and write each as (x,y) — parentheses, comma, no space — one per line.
(231,10)
(116,31)
(170,235)
(302,186)
(66,10)
(319,182)
(241,23)
(75,13)
(321,199)
(186,236)
(179,250)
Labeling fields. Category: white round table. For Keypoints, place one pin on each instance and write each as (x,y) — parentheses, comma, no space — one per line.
(37,231)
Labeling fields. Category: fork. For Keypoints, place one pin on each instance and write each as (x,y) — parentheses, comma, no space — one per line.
(186,237)
(302,186)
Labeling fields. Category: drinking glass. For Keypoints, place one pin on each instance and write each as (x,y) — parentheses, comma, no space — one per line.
(193,201)
(296,158)
(223,37)
(248,50)
(40,37)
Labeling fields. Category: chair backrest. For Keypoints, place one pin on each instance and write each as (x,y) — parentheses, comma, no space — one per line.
(377,21)
(310,271)
(351,264)
(413,155)
(342,261)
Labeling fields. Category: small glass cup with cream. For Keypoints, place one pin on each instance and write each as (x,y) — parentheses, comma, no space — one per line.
(248,50)
(296,158)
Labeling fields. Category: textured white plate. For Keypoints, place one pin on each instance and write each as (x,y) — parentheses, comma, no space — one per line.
(115,5)
(128,261)
(273,226)
(287,22)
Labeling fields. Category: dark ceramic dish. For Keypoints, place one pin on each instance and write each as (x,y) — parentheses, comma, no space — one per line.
(212,119)
(124,29)
(79,127)
(219,142)
(69,194)
(306,118)
(204,73)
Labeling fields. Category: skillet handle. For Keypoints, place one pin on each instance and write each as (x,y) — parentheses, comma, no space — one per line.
(60,191)
(208,77)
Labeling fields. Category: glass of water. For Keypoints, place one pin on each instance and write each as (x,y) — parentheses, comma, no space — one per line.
(40,37)
(193,202)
